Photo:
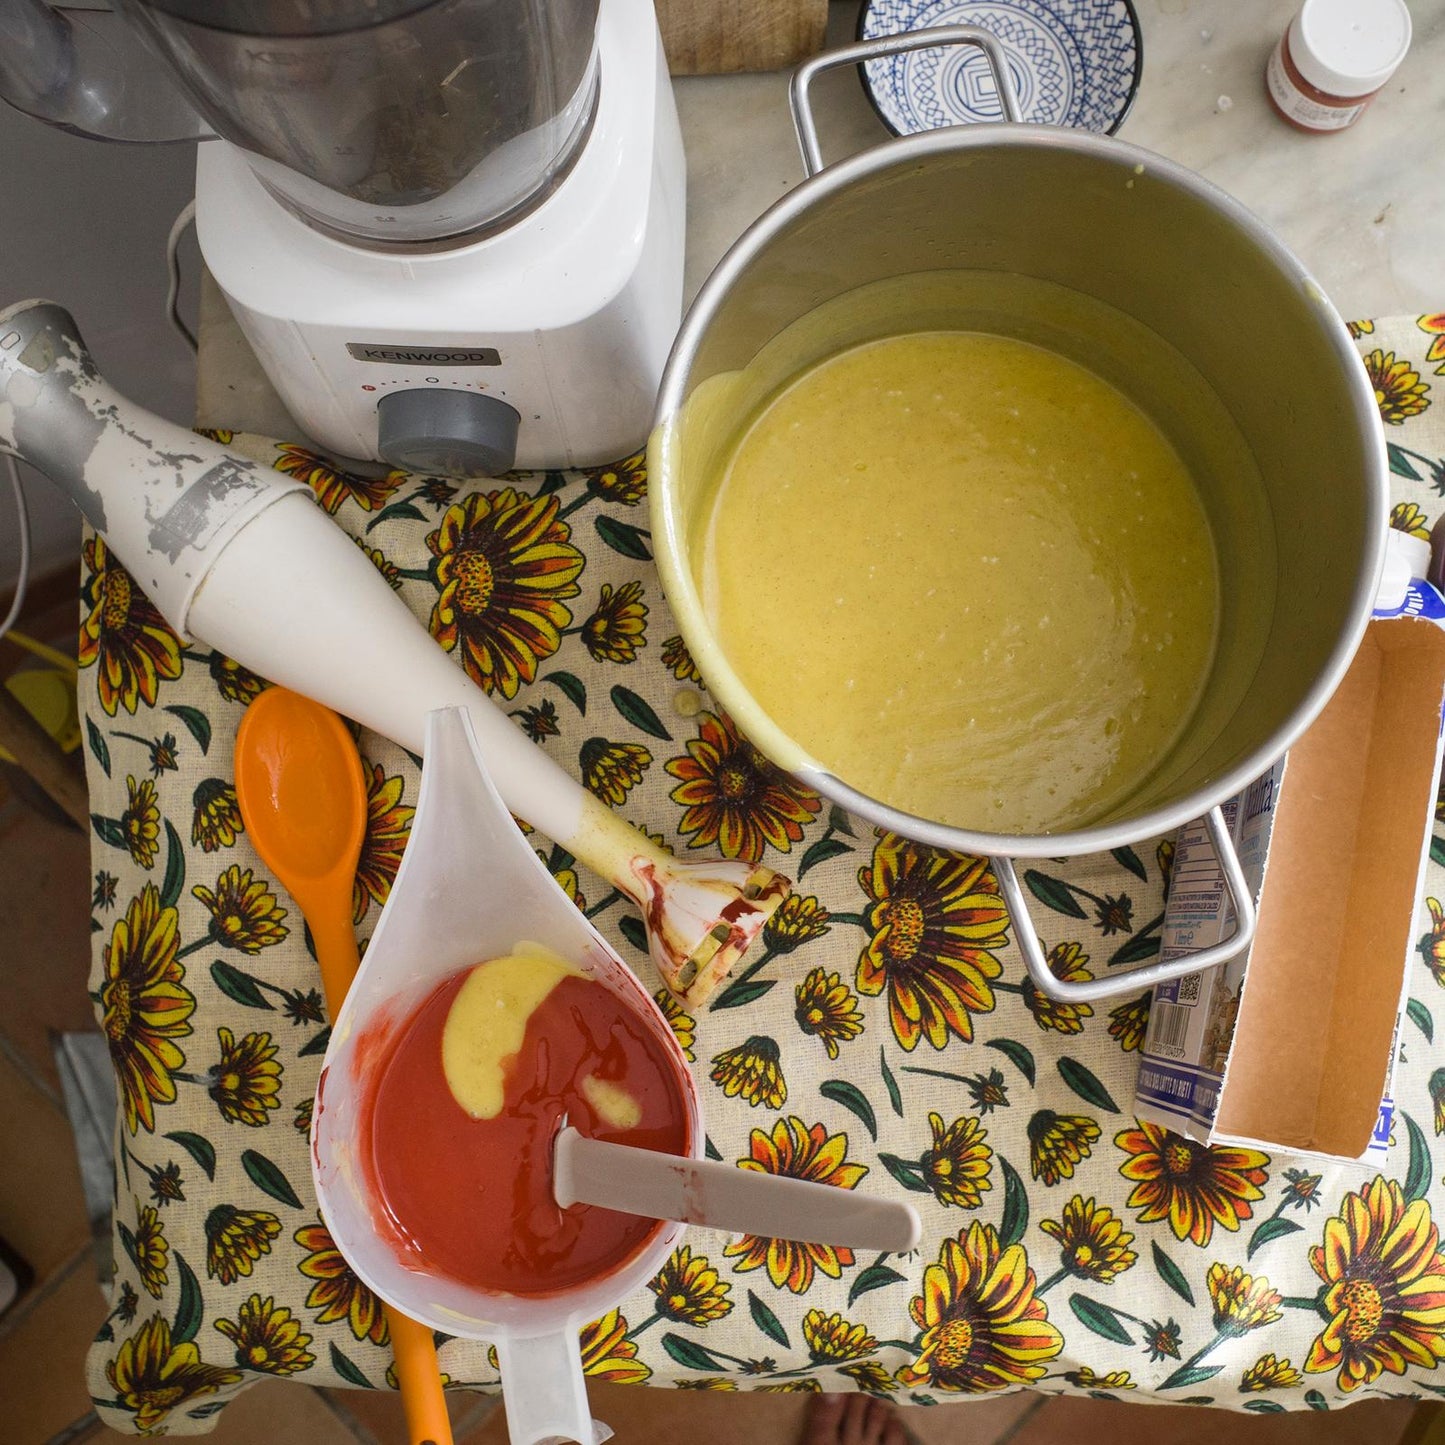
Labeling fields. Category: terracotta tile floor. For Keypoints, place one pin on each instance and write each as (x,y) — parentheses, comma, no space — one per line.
(45,880)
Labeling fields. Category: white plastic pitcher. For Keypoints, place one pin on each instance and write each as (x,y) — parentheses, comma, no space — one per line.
(470,888)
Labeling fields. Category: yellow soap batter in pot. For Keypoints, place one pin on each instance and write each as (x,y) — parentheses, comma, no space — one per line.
(986,582)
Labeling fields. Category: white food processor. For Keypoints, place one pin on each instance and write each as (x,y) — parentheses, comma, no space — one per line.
(452,230)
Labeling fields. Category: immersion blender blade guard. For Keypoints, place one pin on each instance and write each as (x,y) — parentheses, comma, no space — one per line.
(470,888)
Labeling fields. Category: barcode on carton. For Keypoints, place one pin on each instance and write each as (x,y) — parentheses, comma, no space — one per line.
(1168,1023)
(1188,991)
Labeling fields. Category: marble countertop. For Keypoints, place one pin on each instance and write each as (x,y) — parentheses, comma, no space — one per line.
(1363,208)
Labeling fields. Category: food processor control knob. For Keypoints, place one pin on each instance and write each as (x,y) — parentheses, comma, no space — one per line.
(450,432)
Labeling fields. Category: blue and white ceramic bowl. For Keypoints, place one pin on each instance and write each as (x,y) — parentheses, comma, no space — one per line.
(1073,62)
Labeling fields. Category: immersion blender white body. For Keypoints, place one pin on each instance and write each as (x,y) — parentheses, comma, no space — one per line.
(567,315)
(240,557)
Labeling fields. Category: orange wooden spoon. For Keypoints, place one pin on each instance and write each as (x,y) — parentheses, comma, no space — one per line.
(302,792)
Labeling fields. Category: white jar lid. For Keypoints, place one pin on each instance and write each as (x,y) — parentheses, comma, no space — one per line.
(1349,47)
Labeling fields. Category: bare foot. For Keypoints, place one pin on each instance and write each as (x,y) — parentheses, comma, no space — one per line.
(853,1420)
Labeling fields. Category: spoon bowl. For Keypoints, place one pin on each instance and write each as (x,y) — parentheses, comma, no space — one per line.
(301,787)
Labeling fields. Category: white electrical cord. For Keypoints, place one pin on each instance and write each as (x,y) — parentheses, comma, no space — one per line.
(22,514)
(22,510)
(173,271)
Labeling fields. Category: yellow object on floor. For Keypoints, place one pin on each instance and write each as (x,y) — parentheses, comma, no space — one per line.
(46,693)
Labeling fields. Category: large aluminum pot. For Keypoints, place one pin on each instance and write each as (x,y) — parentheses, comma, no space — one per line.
(1298,507)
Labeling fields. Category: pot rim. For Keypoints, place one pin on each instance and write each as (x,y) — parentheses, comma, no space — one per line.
(723,682)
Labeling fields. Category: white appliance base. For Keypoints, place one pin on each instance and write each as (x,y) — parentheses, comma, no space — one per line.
(567,316)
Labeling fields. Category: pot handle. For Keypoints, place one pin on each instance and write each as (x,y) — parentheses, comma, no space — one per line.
(929,39)
(1241,900)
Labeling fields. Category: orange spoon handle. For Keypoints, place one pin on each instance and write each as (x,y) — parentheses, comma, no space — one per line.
(302,793)
(336,952)
(417,1372)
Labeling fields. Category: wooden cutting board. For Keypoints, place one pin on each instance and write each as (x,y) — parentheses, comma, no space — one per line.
(710,37)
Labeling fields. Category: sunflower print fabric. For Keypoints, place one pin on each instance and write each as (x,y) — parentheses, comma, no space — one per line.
(881,1035)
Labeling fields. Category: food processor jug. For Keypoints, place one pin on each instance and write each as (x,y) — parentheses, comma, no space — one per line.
(400,121)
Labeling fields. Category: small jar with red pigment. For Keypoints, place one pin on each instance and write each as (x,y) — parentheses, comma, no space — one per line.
(1333,60)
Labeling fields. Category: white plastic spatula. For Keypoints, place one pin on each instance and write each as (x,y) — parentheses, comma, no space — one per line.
(719,1196)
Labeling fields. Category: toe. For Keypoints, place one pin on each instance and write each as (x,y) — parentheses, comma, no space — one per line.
(825,1419)
(855,1421)
(893,1432)
(875,1426)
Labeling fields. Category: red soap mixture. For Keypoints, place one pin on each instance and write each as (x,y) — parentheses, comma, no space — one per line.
(472,1198)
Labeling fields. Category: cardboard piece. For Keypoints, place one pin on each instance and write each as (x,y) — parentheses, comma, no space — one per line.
(1337,847)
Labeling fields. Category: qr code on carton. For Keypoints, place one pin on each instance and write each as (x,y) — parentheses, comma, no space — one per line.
(1189,988)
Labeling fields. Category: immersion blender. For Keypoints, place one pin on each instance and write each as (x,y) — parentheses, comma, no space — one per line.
(237,556)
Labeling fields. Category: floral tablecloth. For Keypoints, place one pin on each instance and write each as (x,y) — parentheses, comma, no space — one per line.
(882,1036)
